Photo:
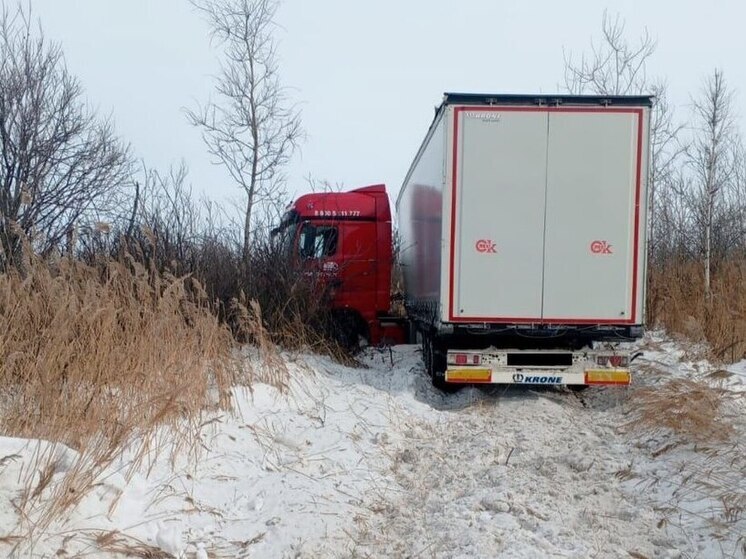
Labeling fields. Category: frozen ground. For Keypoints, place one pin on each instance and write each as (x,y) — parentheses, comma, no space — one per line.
(373,462)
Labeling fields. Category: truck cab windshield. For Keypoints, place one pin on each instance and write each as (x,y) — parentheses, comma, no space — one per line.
(284,233)
(290,218)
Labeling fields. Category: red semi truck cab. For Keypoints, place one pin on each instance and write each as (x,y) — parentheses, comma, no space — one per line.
(346,236)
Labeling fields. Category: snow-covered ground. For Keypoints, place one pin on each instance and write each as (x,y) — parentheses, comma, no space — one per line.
(373,462)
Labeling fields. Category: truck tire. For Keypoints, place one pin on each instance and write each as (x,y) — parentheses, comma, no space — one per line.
(434,356)
(348,328)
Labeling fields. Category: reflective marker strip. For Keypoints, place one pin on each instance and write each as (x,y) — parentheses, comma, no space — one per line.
(591,376)
(607,376)
(468,375)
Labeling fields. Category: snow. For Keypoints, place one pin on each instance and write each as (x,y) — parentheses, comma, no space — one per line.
(372,461)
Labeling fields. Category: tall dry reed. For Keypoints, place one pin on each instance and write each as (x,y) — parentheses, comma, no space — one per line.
(98,358)
(677,302)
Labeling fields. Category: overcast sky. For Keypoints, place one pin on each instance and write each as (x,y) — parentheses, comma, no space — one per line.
(368,74)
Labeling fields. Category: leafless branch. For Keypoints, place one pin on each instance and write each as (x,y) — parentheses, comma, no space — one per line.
(58,162)
(614,66)
(713,161)
(250,128)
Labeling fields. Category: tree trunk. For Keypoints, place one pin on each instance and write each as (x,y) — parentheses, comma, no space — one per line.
(708,249)
(246,251)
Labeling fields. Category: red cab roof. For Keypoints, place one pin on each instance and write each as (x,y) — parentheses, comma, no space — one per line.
(369,202)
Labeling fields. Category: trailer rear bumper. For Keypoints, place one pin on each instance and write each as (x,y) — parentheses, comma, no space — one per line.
(477,375)
(587,367)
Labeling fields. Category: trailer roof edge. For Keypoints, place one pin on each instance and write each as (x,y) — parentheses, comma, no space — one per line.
(547,100)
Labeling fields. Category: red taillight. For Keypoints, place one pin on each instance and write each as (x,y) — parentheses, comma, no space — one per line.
(614,361)
(465,359)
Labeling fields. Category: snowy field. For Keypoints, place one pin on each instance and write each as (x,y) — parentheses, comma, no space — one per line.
(373,462)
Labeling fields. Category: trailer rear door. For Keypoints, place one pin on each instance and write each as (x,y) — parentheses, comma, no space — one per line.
(500,175)
(590,249)
(545,223)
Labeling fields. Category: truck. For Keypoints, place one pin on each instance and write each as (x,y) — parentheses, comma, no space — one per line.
(522,242)
(344,240)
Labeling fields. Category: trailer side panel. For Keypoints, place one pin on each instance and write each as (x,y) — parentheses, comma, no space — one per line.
(419,213)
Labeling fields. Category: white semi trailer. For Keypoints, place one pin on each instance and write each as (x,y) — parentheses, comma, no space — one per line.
(523,225)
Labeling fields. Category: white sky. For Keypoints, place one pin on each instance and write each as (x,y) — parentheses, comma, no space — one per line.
(368,74)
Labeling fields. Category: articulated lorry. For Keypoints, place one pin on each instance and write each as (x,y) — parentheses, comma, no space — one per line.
(522,241)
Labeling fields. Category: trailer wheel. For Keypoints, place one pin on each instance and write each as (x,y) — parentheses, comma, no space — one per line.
(434,356)
(577,387)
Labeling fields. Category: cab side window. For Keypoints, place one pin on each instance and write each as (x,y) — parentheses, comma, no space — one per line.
(318,241)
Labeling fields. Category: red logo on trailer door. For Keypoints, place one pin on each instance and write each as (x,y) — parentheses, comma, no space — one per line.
(486,246)
(601,247)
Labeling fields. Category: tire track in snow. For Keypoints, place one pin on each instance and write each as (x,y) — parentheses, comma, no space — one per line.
(508,473)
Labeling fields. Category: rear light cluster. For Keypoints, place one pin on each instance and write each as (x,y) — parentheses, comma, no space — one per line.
(614,361)
(466,358)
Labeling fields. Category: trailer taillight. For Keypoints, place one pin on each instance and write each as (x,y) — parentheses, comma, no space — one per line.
(465,359)
(615,361)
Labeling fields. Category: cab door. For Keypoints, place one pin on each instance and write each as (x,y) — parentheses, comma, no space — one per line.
(319,250)
(358,265)
(342,255)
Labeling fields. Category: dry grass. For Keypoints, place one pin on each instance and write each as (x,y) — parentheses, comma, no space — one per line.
(272,368)
(694,410)
(113,356)
(702,420)
(98,358)
(127,546)
(676,301)
(295,311)
(699,412)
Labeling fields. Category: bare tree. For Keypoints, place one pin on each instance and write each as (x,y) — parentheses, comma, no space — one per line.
(712,159)
(738,196)
(323,185)
(250,128)
(666,151)
(169,217)
(617,66)
(58,161)
(613,67)
(675,238)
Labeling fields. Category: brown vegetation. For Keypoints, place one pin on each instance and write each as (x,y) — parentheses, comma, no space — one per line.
(678,303)
(106,354)
(689,408)
(100,357)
